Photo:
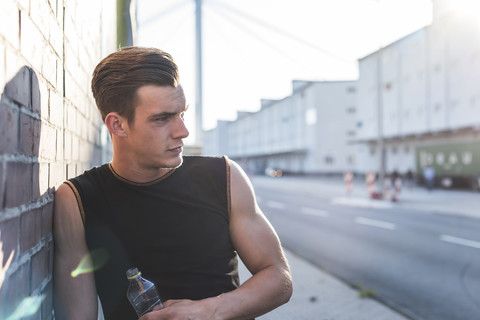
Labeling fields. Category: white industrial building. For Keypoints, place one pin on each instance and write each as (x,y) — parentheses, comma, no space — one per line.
(306,132)
(425,89)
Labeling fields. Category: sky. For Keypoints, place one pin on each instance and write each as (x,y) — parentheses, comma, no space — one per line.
(253,49)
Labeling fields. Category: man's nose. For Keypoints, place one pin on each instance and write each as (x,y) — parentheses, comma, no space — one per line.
(181,131)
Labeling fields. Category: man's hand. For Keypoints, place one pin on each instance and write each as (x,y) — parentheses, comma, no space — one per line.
(184,310)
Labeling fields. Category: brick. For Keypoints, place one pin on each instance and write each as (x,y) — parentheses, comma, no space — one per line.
(35,181)
(39,268)
(57,174)
(47,304)
(71,170)
(40,14)
(30,229)
(49,65)
(9,119)
(31,42)
(14,290)
(43,176)
(60,155)
(1,187)
(13,63)
(47,219)
(44,100)
(18,189)
(9,238)
(36,94)
(29,135)
(18,89)
(48,142)
(56,109)
(68,145)
(2,67)
(9,26)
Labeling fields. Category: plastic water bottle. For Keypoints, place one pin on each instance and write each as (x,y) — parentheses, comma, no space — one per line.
(142,293)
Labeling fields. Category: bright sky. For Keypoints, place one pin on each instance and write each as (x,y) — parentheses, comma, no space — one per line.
(253,49)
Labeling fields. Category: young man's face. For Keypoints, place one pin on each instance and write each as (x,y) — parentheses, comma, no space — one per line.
(157,132)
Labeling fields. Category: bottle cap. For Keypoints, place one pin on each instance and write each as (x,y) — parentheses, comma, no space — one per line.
(133,273)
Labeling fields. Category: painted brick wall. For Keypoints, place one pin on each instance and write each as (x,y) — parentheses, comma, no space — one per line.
(50,130)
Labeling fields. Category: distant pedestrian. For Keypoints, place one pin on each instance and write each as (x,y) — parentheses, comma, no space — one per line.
(429,175)
(409,178)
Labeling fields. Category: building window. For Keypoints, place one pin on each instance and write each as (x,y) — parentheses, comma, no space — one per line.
(351,89)
(311,116)
(351,110)
(329,160)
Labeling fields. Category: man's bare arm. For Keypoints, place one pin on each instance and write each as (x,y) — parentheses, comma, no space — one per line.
(259,248)
(74,295)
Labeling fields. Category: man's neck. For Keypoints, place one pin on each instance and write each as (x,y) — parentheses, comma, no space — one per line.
(135,173)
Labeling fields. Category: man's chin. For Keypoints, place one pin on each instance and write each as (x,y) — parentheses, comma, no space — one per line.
(174,163)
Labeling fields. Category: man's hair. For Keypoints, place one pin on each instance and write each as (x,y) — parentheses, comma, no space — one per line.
(117,78)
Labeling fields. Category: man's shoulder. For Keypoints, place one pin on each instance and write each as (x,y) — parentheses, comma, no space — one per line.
(90,173)
(203,159)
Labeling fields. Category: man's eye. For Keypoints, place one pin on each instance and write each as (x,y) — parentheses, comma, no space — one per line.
(182,115)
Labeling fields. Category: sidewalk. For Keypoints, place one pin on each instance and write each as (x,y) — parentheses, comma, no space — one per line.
(455,202)
(320,296)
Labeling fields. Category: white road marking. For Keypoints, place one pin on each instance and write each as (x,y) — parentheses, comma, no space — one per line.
(276,205)
(375,223)
(362,202)
(314,212)
(460,241)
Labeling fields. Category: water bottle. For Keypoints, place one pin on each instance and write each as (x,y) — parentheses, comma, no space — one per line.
(142,293)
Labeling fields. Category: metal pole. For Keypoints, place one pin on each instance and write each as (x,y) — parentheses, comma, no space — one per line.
(199,75)
(381,142)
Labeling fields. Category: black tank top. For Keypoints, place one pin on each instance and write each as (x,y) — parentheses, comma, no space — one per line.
(175,230)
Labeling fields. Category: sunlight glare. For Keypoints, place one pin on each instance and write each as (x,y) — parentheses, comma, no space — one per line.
(29,306)
(3,269)
(94,260)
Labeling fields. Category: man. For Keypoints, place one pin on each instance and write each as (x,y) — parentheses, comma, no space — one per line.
(180,220)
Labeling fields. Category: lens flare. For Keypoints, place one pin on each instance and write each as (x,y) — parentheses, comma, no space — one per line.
(4,268)
(29,306)
(94,260)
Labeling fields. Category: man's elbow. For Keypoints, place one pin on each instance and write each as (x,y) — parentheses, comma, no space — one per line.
(287,288)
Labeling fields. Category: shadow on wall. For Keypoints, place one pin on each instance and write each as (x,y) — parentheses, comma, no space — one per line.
(26,246)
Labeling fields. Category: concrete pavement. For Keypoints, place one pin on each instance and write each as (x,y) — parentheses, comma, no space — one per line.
(319,295)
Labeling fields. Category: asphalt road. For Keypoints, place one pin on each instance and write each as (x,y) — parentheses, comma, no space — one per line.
(424,265)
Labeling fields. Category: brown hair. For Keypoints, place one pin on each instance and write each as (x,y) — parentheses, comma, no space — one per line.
(117,78)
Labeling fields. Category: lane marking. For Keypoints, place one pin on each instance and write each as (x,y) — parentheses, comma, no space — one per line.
(276,205)
(362,202)
(375,223)
(460,241)
(314,212)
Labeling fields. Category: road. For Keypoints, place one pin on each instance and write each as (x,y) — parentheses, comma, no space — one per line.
(424,265)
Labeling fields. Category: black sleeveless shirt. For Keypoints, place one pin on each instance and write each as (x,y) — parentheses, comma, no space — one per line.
(175,230)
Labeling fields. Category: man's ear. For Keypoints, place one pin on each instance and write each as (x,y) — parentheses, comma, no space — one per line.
(116,124)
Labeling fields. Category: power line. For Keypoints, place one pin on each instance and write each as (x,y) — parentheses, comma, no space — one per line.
(160,14)
(279,31)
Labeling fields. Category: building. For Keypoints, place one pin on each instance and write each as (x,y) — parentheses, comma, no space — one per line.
(295,134)
(424,90)
(415,95)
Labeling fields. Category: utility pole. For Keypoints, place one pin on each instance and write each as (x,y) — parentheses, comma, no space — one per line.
(381,142)
(199,74)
